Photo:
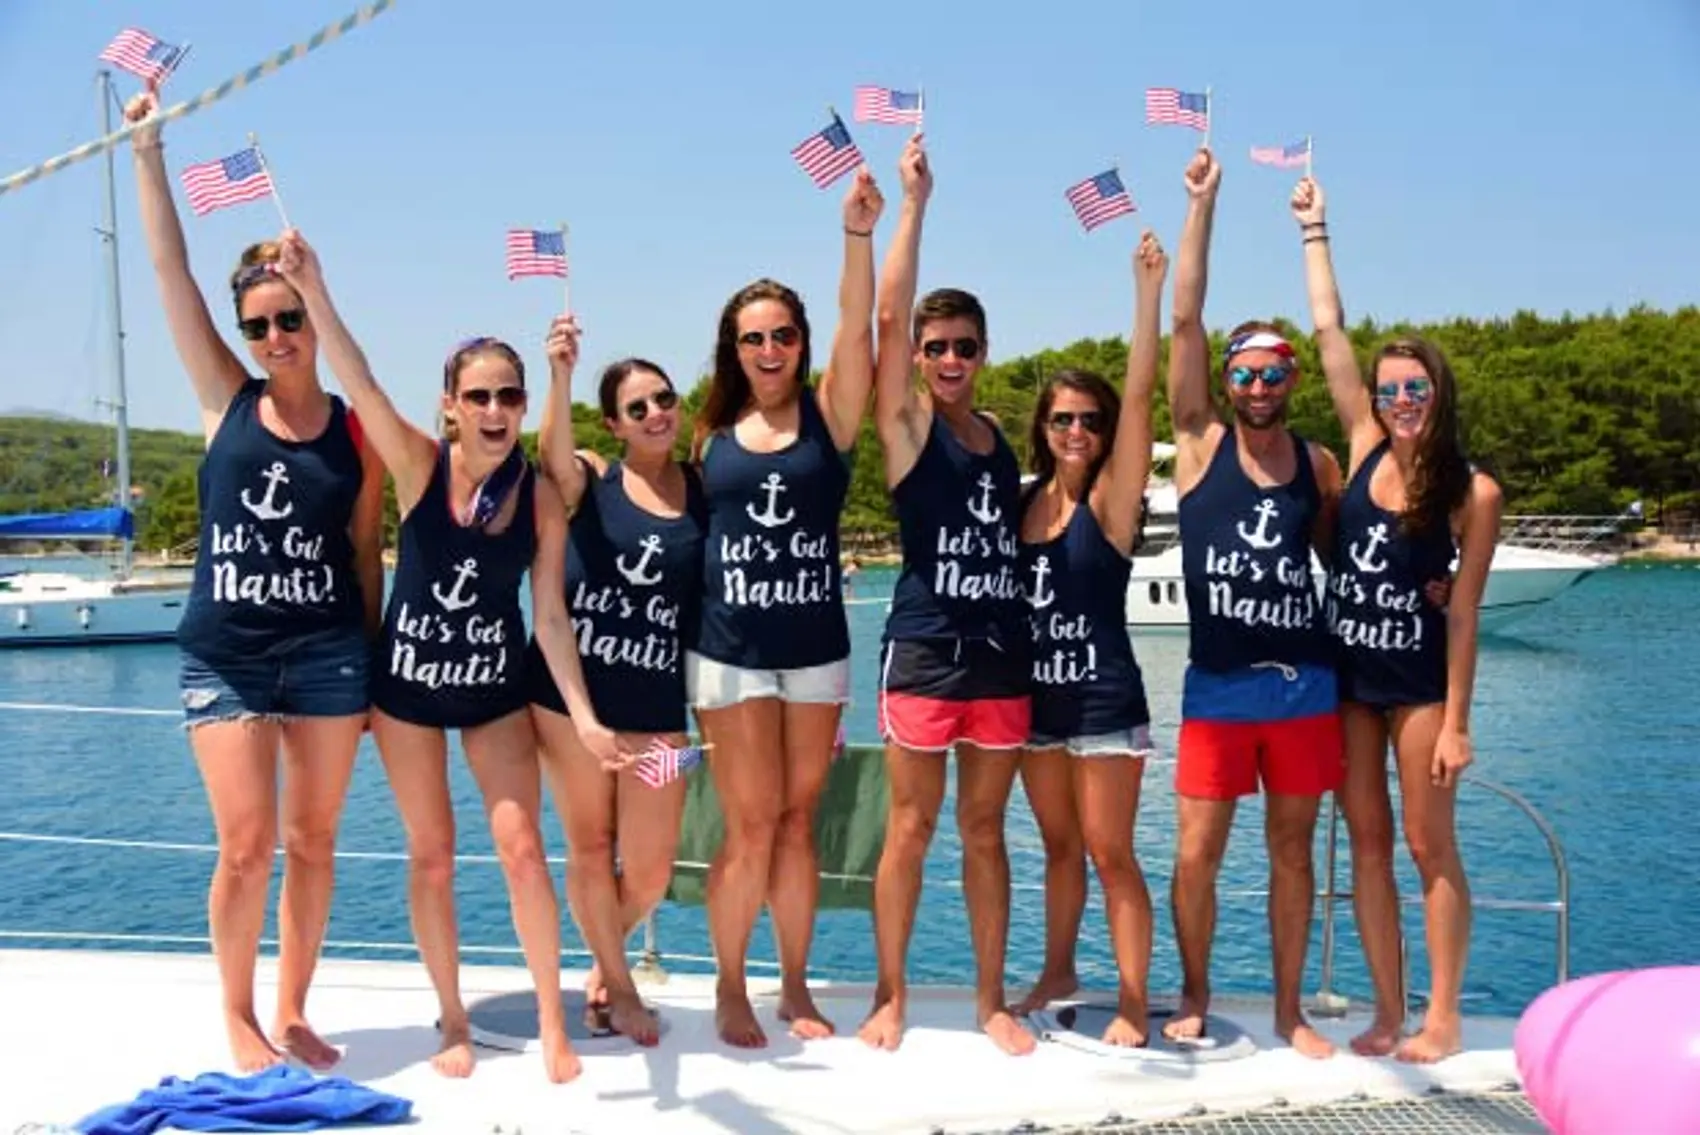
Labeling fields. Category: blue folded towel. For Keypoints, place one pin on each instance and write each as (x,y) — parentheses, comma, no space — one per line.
(281,1098)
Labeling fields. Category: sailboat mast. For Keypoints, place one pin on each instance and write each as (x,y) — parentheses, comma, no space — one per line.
(120,409)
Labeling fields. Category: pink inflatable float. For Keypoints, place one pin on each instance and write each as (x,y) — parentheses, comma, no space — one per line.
(1615,1053)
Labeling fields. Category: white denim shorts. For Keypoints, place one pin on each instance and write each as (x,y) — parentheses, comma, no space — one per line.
(1135,742)
(716,685)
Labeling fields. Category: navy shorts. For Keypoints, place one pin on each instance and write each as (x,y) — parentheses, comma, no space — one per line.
(319,677)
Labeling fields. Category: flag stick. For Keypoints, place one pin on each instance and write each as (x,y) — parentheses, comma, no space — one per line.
(920,107)
(277,198)
(1309,148)
(567,280)
(1207,118)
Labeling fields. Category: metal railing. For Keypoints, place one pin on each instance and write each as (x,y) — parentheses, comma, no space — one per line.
(649,960)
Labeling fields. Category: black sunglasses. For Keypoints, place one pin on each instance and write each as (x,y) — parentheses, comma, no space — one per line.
(1092,421)
(638,408)
(786,336)
(964,348)
(507,397)
(255,328)
(1272,376)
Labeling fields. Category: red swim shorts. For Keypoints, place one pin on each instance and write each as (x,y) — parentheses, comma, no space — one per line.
(1224,760)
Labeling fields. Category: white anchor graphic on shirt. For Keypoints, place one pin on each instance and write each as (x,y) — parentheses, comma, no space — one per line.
(1041,596)
(454,600)
(276,474)
(1260,538)
(1366,558)
(985,511)
(770,518)
(635,576)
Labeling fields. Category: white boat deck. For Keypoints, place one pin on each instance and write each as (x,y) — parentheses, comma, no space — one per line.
(86,1029)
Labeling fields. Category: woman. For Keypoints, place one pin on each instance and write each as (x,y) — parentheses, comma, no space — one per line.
(274,636)
(769,670)
(1407,668)
(1091,725)
(634,571)
(474,520)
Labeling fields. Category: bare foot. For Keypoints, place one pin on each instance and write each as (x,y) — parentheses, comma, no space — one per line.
(560,1062)
(630,1017)
(1006,1032)
(1433,1044)
(884,1027)
(248,1046)
(298,1039)
(735,1020)
(1132,1026)
(595,992)
(1379,1039)
(1050,987)
(797,1008)
(454,1058)
(1187,1025)
(1305,1040)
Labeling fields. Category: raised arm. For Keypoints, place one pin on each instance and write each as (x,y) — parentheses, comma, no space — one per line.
(1119,494)
(1339,363)
(1478,536)
(213,368)
(554,627)
(1189,350)
(555,436)
(849,374)
(409,454)
(899,415)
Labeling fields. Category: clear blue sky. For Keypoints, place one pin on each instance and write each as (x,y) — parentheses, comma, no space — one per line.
(1480,158)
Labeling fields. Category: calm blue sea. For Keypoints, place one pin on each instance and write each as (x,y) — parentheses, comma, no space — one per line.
(1587,708)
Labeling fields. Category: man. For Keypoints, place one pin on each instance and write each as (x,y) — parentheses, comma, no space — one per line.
(1259,700)
(954,666)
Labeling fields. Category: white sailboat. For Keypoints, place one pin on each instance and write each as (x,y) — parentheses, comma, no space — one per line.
(59,608)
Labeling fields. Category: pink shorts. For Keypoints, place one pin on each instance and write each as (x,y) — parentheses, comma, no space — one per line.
(934,724)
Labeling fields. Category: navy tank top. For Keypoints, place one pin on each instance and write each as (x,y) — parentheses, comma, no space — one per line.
(771,596)
(452,653)
(958,516)
(275,566)
(1085,679)
(1392,639)
(1245,557)
(634,585)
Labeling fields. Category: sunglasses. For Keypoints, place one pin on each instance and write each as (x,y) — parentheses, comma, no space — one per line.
(786,336)
(1416,390)
(964,348)
(638,408)
(1092,421)
(256,327)
(1272,376)
(507,397)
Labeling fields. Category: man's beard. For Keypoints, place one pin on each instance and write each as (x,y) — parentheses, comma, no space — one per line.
(1275,416)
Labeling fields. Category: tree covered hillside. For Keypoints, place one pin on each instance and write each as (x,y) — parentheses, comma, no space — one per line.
(1576,415)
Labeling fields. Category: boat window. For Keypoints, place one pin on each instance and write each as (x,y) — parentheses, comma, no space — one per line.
(1156,592)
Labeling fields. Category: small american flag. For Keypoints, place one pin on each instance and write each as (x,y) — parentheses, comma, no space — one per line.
(661,763)
(536,252)
(1284,157)
(226,181)
(883,104)
(1177,108)
(828,155)
(143,55)
(1100,198)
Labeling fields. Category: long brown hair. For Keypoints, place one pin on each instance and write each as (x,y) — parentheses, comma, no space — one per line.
(729,386)
(1440,483)
(1109,409)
